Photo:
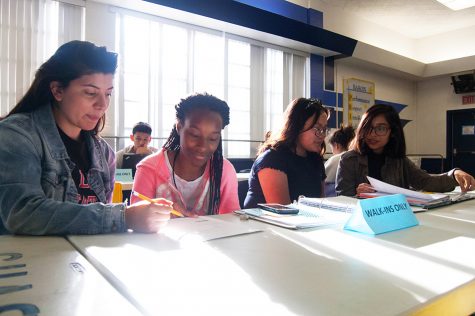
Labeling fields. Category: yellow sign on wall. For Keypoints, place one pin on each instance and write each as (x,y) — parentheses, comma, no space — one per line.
(358,96)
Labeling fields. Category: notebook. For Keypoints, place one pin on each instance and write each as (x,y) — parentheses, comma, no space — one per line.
(316,212)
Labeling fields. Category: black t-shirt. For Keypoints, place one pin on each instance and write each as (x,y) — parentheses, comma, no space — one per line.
(79,154)
(304,174)
(375,163)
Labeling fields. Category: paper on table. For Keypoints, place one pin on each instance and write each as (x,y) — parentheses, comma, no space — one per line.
(203,228)
(310,217)
(384,187)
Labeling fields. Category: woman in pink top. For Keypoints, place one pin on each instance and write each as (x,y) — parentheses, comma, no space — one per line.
(190,169)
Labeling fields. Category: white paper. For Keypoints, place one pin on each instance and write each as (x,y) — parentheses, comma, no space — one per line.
(307,217)
(203,228)
(384,187)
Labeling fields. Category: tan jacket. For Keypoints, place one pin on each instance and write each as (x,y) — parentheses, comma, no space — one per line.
(402,172)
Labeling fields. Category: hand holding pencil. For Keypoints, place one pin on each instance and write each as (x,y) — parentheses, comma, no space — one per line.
(157,201)
(148,216)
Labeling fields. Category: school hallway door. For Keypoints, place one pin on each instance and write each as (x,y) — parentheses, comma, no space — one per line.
(461,140)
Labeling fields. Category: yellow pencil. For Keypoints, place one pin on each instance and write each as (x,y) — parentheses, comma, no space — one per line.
(146,198)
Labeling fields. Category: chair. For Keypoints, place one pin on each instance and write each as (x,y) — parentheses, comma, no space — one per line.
(117,195)
(243,187)
(330,189)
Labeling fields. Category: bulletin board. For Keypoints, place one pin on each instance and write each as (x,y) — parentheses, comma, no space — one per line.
(358,96)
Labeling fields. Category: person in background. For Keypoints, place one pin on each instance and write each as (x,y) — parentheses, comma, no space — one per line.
(190,169)
(290,162)
(57,173)
(141,138)
(379,151)
(339,142)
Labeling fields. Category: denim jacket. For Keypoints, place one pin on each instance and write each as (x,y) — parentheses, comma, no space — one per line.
(37,192)
(402,172)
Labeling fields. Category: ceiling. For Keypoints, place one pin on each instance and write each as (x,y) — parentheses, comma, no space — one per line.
(412,18)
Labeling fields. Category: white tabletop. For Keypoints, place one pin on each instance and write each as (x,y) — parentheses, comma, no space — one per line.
(243,176)
(47,276)
(325,271)
(126,185)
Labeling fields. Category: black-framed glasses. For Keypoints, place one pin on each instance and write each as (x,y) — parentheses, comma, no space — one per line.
(379,130)
(320,131)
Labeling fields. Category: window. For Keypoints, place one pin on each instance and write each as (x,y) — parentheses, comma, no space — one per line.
(31,31)
(170,60)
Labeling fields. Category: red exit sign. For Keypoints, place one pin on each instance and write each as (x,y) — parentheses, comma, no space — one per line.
(468,99)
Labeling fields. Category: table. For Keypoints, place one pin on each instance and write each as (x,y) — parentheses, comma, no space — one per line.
(324,271)
(47,276)
(243,176)
(126,185)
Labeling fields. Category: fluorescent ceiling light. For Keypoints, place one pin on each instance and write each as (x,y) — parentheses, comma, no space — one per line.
(458,4)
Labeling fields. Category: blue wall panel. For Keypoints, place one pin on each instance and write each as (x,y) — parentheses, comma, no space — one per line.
(239,13)
(280,7)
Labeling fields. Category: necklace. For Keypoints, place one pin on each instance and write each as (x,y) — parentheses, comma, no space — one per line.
(173,168)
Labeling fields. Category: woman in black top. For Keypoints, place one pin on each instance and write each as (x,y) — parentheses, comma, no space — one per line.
(290,163)
(379,151)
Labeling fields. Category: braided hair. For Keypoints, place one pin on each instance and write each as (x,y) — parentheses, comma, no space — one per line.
(212,103)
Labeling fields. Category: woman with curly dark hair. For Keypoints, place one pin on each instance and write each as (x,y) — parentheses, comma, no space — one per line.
(290,162)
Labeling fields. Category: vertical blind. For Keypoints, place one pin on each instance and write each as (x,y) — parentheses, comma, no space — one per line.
(30,32)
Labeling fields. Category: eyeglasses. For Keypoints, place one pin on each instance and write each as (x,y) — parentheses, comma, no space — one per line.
(320,131)
(379,130)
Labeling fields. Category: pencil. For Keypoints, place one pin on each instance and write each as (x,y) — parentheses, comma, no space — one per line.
(146,198)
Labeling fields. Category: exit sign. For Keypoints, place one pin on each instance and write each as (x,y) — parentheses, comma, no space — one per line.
(468,99)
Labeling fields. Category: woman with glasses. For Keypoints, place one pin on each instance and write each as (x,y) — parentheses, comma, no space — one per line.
(290,162)
(379,151)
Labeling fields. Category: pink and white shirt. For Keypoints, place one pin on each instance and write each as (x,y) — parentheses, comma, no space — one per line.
(153,178)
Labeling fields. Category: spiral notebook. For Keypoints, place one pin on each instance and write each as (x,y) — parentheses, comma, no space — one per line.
(314,212)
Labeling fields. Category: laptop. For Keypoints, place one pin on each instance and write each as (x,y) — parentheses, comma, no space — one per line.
(130,161)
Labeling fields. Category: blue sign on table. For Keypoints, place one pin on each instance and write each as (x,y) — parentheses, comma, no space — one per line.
(381,215)
(123,175)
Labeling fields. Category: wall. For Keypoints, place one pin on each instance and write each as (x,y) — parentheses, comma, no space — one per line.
(353,26)
(388,87)
(434,98)
(463,40)
(100,29)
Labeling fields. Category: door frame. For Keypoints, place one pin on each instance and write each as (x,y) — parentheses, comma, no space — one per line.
(449,155)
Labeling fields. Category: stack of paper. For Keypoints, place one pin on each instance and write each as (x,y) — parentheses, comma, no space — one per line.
(338,203)
(414,198)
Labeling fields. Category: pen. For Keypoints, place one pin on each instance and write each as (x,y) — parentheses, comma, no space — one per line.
(146,198)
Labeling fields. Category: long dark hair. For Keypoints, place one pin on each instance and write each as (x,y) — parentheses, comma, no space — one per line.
(71,61)
(295,116)
(342,136)
(396,146)
(212,103)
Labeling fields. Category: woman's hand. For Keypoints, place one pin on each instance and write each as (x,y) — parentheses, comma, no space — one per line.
(177,206)
(364,188)
(145,217)
(465,180)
